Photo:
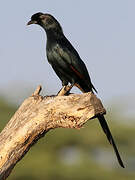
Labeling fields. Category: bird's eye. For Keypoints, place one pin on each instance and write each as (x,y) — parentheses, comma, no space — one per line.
(42,17)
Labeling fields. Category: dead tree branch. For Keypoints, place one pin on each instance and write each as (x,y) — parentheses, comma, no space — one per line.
(36,116)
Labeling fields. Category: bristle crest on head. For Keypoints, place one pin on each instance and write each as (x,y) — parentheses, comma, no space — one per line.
(36,16)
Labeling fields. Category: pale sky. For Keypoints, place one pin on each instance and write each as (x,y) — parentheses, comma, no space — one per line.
(103,32)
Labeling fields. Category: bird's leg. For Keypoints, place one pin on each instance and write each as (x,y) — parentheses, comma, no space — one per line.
(69,88)
(65,90)
(61,91)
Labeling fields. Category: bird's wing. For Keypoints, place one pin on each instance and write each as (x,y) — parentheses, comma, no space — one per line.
(70,56)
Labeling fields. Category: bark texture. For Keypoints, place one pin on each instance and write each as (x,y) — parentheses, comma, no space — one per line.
(36,116)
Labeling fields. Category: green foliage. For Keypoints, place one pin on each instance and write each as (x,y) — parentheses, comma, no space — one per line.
(6,112)
(68,154)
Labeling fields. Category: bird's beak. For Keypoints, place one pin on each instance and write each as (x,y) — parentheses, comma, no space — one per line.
(31,22)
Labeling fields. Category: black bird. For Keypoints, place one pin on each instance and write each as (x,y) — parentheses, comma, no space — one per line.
(67,63)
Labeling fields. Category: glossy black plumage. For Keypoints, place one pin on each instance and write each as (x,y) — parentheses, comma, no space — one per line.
(67,63)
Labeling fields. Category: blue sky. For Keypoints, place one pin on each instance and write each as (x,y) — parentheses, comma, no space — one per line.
(103,32)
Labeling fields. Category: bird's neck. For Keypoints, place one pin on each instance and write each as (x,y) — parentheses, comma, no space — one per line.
(53,35)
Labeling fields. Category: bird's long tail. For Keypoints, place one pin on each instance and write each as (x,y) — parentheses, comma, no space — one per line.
(106,130)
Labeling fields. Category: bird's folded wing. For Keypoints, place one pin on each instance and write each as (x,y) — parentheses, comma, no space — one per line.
(72,59)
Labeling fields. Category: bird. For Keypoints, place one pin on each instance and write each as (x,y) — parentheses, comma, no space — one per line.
(68,65)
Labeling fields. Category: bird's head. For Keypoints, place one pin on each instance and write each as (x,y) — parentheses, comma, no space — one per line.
(47,21)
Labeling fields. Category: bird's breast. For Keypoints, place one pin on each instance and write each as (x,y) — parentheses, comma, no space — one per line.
(53,53)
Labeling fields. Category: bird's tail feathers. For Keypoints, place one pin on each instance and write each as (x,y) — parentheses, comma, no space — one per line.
(106,130)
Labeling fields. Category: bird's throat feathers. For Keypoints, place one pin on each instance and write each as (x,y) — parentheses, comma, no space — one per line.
(54,33)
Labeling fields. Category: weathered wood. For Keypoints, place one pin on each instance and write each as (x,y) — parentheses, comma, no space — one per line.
(36,116)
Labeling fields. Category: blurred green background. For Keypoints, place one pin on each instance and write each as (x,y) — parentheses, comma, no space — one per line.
(84,154)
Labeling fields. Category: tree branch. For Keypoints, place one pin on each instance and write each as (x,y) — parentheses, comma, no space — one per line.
(36,116)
